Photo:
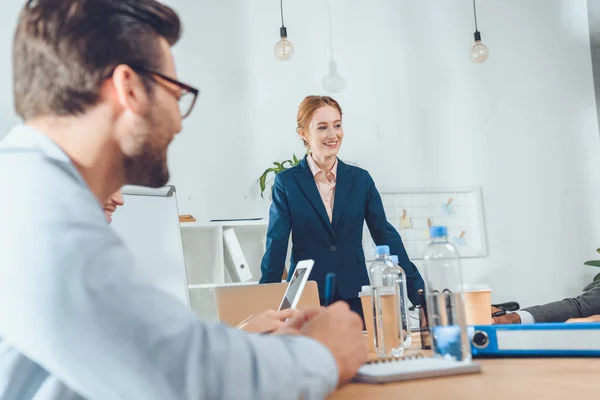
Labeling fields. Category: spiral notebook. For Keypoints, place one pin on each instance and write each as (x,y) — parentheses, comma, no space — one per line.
(412,367)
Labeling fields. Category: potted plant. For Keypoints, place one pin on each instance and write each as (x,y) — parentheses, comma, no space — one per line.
(596,281)
(278,167)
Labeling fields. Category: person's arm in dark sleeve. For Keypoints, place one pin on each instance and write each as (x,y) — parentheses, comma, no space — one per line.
(383,233)
(278,235)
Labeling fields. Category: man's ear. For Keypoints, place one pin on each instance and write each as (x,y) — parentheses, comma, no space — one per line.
(130,90)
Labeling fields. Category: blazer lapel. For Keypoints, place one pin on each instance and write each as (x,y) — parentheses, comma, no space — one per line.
(343,184)
(307,183)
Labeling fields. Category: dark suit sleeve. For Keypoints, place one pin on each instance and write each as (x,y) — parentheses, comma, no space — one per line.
(384,233)
(278,235)
(584,306)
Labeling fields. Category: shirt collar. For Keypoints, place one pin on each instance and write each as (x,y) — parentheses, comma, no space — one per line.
(25,137)
(314,168)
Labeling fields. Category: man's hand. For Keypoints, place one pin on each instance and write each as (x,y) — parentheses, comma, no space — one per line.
(593,318)
(266,321)
(340,330)
(293,325)
(508,318)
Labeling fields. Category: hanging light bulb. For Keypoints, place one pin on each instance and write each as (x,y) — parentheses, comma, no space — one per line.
(333,82)
(479,51)
(283,49)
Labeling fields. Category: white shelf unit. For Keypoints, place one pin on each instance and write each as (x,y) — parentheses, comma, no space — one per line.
(205,257)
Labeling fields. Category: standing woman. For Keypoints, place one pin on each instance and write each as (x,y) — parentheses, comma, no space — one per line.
(324,203)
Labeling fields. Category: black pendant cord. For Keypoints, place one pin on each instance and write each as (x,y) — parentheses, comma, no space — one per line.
(282,30)
(477,34)
(474,15)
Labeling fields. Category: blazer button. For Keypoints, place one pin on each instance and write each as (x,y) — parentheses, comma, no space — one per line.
(333,248)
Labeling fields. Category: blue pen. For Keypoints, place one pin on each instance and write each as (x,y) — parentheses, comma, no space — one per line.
(329,288)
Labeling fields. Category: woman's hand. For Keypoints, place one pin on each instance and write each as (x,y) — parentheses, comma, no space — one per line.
(593,318)
(266,321)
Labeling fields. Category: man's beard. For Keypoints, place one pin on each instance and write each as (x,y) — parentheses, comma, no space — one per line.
(148,168)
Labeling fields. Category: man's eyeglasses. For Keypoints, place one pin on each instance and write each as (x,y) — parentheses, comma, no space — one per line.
(186,96)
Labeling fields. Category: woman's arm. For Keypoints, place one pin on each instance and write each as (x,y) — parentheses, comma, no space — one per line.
(384,233)
(278,235)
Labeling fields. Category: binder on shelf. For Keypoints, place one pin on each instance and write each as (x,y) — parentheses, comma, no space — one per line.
(235,262)
(536,340)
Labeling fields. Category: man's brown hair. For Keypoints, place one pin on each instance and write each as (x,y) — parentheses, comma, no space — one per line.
(64,50)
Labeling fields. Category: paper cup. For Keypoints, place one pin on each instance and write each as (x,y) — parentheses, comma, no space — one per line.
(478,304)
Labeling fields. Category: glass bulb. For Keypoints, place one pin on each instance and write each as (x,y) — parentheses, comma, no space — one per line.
(333,82)
(479,52)
(284,49)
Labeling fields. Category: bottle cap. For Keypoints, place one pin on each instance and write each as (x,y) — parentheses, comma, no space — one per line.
(438,231)
(382,250)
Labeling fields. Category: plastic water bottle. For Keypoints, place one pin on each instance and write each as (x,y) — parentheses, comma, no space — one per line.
(385,293)
(444,297)
(403,306)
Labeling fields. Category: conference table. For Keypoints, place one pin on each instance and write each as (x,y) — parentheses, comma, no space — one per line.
(506,378)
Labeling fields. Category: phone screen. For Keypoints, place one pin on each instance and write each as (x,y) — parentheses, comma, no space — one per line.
(292,290)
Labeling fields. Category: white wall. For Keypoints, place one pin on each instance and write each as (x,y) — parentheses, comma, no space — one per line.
(9,11)
(418,113)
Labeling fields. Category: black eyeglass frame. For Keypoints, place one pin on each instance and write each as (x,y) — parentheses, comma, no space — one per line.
(181,85)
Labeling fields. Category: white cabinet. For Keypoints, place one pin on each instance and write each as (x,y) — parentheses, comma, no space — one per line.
(205,257)
(205,254)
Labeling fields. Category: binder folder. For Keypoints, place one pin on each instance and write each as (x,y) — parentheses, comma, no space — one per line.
(235,262)
(536,340)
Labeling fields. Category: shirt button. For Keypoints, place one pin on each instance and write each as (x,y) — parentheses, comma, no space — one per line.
(333,248)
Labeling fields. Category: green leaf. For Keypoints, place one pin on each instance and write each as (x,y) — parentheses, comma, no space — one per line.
(596,278)
(263,180)
(267,172)
(593,263)
(598,251)
(279,167)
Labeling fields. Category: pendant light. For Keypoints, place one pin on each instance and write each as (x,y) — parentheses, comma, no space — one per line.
(479,51)
(284,48)
(332,82)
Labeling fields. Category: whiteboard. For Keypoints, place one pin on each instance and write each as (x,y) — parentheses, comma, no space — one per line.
(411,211)
(148,223)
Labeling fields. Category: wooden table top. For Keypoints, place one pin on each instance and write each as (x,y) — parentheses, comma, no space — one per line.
(507,378)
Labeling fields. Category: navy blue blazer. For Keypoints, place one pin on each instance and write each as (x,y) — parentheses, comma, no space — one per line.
(334,246)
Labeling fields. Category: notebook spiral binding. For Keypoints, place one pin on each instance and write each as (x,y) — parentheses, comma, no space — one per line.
(393,359)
